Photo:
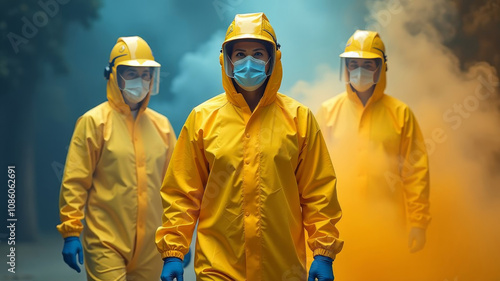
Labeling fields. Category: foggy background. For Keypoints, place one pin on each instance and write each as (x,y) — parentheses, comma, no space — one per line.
(443,61)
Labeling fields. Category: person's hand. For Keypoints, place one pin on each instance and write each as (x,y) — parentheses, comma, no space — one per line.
(187,259)
(416,239)
(72,247)
(172,268)
(321,268)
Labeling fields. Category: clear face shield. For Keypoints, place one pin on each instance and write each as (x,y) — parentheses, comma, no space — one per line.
(360,71)
(228,51)
(155,83)
(149,74)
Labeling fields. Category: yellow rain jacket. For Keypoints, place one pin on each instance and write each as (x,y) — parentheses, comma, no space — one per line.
(379,155)
(112,179)
(253,181)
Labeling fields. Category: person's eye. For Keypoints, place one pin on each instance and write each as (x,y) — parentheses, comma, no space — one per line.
(369,66)
(258,54)
(240,55)
(130,75)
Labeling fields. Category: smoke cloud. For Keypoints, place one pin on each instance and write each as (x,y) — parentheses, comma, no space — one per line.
(457,110)
(198,79)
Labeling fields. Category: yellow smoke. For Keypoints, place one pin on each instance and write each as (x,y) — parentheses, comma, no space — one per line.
(458,112)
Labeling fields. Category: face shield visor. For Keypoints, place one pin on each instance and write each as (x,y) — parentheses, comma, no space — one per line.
(362,72)
(229,54)
(148,70)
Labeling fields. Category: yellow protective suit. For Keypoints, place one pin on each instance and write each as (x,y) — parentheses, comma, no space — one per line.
(252,180)
(379,155)
(112,179)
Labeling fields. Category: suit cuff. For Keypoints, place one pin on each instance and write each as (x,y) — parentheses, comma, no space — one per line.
(172,253)
(324,252)
(69,234)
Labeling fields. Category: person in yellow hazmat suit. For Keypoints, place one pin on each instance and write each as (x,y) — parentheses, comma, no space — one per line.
(116,162)
(378,152)
(252,168)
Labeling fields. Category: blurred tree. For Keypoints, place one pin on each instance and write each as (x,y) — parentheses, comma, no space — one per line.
(477,38)
(33,35)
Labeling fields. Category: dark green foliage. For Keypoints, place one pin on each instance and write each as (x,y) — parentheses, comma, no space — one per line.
(33,36)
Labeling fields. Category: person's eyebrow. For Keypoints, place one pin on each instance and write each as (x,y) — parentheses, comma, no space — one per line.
(241,50)
(258,49)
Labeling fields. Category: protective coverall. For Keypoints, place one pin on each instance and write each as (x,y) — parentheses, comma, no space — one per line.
(254,180)
(112,179)
(380,158)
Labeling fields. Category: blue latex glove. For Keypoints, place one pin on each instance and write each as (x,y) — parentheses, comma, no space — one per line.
(72,247)
(172,268)
(187,258)
(321,268)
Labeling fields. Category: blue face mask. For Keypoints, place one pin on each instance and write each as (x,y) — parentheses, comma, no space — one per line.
(250,73)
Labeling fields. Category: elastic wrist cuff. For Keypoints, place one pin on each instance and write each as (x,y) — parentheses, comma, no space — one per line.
(324,252)
(70,234)
(172,253)
(419,225)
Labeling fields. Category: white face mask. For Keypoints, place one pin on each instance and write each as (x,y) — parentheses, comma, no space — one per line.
(135,90)
(361,79)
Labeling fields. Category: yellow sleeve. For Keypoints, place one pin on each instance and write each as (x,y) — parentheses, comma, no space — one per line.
(172,140)
(317,186)
(321,116)
(415,172)
(83,154)
(182,192)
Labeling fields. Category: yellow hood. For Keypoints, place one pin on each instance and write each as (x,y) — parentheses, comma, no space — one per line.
(378,92)
(115,96)
(252,26)
(368,45)
(130,51)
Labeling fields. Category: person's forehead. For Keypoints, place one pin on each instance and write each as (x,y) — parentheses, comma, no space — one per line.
(137,69)
(243,44)
(361,60)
